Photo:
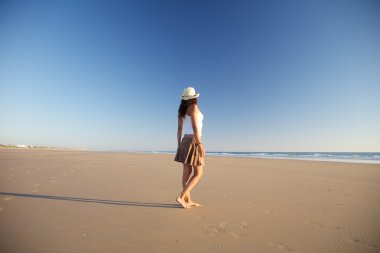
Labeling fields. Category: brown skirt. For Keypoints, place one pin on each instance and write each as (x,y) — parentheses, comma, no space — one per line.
(189,152)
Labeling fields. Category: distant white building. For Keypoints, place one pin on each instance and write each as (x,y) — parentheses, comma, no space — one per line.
(21,146)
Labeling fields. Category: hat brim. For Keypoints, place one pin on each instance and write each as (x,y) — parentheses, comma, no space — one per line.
(190,97)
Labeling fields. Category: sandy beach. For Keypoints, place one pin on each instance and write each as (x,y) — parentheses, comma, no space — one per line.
(81,201)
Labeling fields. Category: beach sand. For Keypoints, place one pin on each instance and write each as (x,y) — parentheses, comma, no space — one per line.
(80,201)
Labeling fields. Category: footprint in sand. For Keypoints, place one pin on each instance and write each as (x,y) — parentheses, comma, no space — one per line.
(315,224)
(223,228)
(10,177)
(243,224)
(8,198)
(280,246)
(224,195)
(35,190)
(256,203)
(235,235)
(1,208)
(52,181)
(213,230)
(241,231)
(363,243)
(270,211)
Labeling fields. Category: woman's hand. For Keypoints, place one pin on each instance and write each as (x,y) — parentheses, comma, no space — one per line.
(203,153)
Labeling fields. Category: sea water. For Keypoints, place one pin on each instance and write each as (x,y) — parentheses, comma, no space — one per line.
(351,157)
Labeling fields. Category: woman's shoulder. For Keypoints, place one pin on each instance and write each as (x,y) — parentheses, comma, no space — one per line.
(193,108)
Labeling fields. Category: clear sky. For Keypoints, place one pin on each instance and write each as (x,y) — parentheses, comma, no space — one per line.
(273,75)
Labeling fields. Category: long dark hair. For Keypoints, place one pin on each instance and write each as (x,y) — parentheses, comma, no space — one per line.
(183,106)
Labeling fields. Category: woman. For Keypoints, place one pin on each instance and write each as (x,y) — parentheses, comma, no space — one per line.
(190,150)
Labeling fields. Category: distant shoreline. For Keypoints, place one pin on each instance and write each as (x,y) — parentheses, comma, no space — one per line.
(340,157)
(43,148)
(345,157)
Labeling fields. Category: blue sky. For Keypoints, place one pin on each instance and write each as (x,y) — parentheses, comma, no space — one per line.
(273,75)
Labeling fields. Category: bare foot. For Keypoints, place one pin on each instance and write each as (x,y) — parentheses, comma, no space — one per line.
(190,203)
(182,202)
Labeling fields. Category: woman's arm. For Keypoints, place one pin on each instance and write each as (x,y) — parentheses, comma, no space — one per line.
(179,131)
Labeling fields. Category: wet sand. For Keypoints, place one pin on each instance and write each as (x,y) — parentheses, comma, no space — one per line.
(80,201)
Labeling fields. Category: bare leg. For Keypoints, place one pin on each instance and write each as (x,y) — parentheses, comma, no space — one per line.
(198,172)
(187,169)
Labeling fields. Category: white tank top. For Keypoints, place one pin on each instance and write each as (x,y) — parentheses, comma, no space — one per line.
(187,127)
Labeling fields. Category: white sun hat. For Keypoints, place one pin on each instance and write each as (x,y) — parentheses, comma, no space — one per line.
(189,93)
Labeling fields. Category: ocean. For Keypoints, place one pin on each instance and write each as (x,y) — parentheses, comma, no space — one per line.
(351,157)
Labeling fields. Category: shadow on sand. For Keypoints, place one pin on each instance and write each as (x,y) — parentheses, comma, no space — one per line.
(99,201)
